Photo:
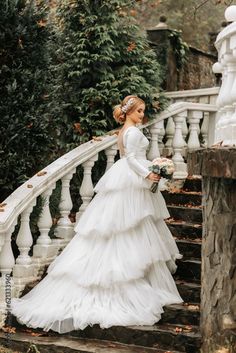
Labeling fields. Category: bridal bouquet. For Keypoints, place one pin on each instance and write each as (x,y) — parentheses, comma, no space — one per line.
(162,166)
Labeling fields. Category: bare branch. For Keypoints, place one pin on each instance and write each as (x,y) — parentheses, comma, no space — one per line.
(196,8)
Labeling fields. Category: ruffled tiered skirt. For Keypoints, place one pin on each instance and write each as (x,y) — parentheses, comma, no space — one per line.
(117,268)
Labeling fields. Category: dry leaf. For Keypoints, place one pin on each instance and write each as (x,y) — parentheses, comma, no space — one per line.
(178,329)
(97,138)
(188,327)
(41,23)
(3,204)
(2,210)
(36,334)
(9,329)
(77,128)
(193,307)
(41,173)
(29,186)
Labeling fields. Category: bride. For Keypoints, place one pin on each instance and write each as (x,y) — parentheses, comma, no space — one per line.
(117,268)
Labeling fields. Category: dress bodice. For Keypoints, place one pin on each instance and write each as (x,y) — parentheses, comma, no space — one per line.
(133,146)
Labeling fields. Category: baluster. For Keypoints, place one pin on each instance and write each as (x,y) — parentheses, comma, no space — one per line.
(7,262)
(24,269)
(86,189)
(111,153)
(65,228)
(204,129)
(170,131)
(24,238)
(194,120)
(178,145)
(154,150)
(161,136)
(45,249)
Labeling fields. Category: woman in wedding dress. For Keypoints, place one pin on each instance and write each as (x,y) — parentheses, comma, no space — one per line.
(117,268)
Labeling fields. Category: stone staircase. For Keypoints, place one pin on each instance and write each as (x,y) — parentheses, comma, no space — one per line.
(178,331)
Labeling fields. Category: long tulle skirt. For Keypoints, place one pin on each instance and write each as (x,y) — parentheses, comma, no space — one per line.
(117,268)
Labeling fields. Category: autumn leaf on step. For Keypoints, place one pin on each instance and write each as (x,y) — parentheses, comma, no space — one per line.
(9,329)
(178,329)
(188,328)
(3,204)
(193,307)
(35,334)
(43,172)
(29,186)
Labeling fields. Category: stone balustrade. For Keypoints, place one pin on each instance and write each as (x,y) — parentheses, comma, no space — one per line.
(226,65)
(174,132)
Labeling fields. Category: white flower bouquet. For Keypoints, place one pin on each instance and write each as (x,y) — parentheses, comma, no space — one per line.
(162,166)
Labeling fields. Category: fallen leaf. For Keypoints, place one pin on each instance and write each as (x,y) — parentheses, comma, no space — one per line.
(41,173)
(193,307)
(29,186)
(178,329)
(3,204)
(188,327)
(9,329)
(37,334)
(2,210)
(41,23)
(97,138)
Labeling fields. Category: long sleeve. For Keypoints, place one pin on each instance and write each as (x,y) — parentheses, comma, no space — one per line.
(132,145)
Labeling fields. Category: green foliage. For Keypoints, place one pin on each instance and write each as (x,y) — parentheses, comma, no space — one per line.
(180,48)
(101,59)
(24,82)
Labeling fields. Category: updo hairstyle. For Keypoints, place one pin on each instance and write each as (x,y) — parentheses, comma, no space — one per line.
(129,104)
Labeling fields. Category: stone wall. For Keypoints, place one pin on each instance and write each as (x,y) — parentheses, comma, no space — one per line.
(196,72)
(218,294)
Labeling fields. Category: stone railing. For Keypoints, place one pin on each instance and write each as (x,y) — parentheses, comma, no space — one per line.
(203,95)
(226,65)
(172,133)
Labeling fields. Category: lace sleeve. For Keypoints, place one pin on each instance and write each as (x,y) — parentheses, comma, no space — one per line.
(131,143)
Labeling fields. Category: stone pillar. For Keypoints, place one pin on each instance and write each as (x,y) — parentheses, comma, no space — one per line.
(218,294)
(159,38)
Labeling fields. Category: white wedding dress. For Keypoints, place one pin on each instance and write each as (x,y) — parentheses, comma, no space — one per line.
(117,268)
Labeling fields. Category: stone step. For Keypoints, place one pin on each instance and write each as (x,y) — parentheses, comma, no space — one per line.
(188,270)
(161,336)
(184,314)
(182,229)
(191,249)
(189,292)
(183,198)
(187,214)
(193,184)
(22,342)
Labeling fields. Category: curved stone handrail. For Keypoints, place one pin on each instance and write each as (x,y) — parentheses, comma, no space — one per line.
(24,195)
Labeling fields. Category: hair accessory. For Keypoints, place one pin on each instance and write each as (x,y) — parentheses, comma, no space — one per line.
(126,107)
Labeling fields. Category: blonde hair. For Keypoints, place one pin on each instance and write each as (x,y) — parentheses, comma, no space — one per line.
(119,115)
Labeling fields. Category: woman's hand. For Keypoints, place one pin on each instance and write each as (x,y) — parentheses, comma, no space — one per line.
(154,177)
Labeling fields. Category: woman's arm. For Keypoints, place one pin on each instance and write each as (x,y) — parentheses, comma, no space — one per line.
(132,141)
